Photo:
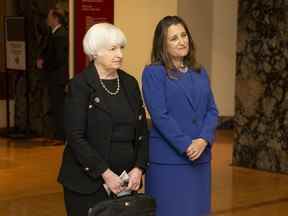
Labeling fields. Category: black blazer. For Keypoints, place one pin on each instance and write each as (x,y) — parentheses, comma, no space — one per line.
(55,56)
(88,126)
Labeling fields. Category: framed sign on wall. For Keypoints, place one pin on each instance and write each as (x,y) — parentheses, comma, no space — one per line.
(15,43)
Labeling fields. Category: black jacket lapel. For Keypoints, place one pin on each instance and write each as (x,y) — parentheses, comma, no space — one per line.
(97,92)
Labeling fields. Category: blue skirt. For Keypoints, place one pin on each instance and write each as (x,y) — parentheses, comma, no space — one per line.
(180,190)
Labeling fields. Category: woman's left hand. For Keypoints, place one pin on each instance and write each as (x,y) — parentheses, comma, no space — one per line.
(197,147)
(135,176)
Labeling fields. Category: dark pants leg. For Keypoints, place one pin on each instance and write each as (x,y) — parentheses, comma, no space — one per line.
(78,204)
(56,99)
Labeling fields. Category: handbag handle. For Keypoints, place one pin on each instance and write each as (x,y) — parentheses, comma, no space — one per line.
(114,196)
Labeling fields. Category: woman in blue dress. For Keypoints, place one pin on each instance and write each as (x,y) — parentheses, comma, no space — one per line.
(184,117)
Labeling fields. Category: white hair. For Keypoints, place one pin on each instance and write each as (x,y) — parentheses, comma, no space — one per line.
(101,36)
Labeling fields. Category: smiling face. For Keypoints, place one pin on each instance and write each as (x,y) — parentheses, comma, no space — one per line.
(177,42)
(110,58)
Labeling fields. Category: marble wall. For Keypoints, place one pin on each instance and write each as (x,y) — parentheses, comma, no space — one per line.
(261,118)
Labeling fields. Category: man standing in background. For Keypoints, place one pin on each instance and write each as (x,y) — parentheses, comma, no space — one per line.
(54,63)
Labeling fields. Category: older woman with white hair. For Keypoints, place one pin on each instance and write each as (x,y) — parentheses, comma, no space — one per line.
(106,131)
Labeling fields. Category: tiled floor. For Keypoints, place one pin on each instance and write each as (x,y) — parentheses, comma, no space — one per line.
(28,187)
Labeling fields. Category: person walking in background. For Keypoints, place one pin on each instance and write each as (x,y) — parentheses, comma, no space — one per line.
(105,125)
(54,63)
(184,117)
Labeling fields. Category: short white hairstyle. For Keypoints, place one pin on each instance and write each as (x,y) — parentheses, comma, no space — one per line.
(101,36)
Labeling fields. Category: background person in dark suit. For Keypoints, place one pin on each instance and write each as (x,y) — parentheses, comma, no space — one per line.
(184,118)
(105,125)
(54,62)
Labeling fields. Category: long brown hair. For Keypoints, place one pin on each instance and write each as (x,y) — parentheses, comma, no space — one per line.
(160,55)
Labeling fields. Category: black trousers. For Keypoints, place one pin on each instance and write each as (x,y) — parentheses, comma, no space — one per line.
(78,204)
(56,96)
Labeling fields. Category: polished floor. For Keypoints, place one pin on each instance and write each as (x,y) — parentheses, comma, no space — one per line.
(28,186)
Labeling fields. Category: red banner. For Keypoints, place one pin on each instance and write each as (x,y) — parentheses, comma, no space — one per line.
(87,13)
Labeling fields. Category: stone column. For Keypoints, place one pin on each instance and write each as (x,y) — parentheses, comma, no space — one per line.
(261,119)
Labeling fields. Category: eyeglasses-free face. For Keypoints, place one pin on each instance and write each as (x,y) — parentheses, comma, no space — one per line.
(177,42)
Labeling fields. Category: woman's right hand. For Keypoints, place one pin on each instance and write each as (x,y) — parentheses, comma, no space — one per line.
(195,149)
(113,181)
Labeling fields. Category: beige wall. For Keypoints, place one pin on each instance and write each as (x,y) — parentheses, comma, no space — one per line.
(223,69)
(138,19)
(198,16)
(213,25)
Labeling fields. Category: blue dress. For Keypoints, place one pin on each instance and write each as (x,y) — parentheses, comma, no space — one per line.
(181,110)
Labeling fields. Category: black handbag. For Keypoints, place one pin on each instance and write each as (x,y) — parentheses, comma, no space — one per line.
(137,204)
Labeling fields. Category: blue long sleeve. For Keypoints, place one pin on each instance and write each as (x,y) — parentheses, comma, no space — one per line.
(153,84)
(211,119)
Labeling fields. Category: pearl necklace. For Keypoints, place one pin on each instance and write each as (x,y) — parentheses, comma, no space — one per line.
(108,91)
